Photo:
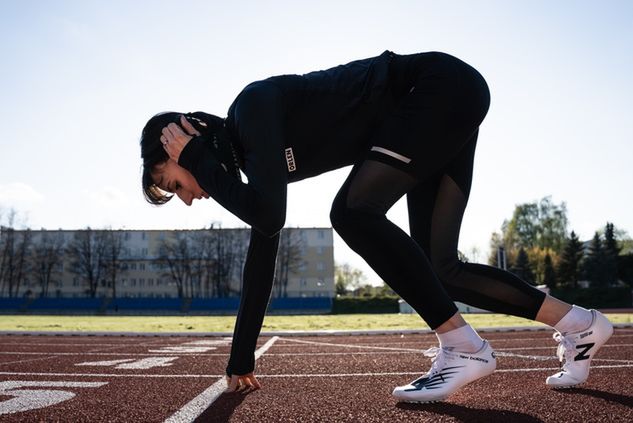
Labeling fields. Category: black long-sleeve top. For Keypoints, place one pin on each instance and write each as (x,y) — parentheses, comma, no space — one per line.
(287,128)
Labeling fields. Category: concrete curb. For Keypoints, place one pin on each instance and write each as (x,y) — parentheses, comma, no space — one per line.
(283,333)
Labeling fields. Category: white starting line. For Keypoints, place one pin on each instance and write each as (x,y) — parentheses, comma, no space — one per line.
(196,406)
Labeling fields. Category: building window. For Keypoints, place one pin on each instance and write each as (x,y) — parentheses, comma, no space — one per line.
(133,282)
(141,266)
(150,282)
(320,250)
(321,234)
(304,282)
(133,266)
(320,266)
(127,236)
(143,235)
(124,282)
(144,252)
(141,282)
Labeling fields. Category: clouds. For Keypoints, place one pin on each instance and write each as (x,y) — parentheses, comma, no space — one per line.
(19,195)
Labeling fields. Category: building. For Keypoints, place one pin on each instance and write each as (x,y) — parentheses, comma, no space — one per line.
(205,263)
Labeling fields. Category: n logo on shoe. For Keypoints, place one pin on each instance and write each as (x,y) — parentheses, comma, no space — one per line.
(435,381)
(582,355)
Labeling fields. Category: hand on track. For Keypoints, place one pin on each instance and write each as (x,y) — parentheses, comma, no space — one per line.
(242,383)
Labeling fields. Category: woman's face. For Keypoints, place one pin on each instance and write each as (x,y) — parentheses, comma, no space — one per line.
(171,177)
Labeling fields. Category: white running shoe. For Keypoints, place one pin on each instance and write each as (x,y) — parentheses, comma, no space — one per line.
(450,371)
(576,349)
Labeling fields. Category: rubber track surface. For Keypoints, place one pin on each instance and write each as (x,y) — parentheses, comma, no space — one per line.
(305,379)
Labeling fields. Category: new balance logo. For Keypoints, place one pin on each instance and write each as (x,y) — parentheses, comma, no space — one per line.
(582,355)
(434,381)
(586,334)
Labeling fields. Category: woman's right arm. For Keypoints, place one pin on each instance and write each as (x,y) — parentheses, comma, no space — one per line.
(256,288)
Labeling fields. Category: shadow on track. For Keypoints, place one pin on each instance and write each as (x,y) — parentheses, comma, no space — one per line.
(470,414)
(222,409)
(609,396)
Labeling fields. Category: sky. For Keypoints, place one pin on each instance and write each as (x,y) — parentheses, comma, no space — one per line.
(79,79)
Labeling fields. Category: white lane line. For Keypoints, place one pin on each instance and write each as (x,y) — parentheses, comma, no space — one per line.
(110,354)
(536,369)
(190,411)
(142,376)
(329,344)
(27,361)
(547,358)
(306,375)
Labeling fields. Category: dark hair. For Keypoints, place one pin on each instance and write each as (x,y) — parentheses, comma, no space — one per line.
(153,153)
(211,128)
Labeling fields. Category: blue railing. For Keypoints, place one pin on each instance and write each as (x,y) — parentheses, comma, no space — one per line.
(164,305)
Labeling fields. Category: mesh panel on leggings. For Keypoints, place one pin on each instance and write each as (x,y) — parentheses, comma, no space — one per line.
(478,285)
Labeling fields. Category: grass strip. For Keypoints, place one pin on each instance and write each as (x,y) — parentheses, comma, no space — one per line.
(271,323)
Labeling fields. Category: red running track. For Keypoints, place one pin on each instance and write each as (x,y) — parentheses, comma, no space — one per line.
(306,379)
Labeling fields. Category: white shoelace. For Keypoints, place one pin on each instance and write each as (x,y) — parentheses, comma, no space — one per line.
(565,350)
(439,356)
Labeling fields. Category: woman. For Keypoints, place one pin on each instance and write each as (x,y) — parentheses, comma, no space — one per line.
(409,125)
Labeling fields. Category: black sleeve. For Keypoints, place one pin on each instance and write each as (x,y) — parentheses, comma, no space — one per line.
(256,289)
(261,202)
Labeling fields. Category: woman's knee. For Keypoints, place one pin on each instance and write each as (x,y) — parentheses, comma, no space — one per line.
(339,214)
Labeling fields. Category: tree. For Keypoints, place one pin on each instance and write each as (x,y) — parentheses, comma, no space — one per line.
(534,226)
(549,277)
(347,278)
(289,259)
(112,252)
(224,259)
(522,268)
(569,266)
(15,248)
(176,254)
(611,253)
(595,263)
(86,252)
(46,258)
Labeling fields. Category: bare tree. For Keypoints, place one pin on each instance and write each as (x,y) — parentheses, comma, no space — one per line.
(176,253)
(87,252)
(14,250)
(218,258)
(47,256)
(203,263)
(113,250)
(242,237)
(289,259)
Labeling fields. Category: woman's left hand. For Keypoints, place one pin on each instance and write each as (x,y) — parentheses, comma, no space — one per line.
(174,139)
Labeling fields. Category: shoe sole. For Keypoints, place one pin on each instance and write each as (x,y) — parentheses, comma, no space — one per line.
(424,402)
(565,386)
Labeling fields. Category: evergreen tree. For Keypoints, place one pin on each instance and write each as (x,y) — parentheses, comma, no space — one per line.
(595,262)
(611,253)
(570,262)
(522,268)
(549,277)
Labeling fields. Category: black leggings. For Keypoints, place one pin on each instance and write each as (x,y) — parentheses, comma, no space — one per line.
(425,149)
